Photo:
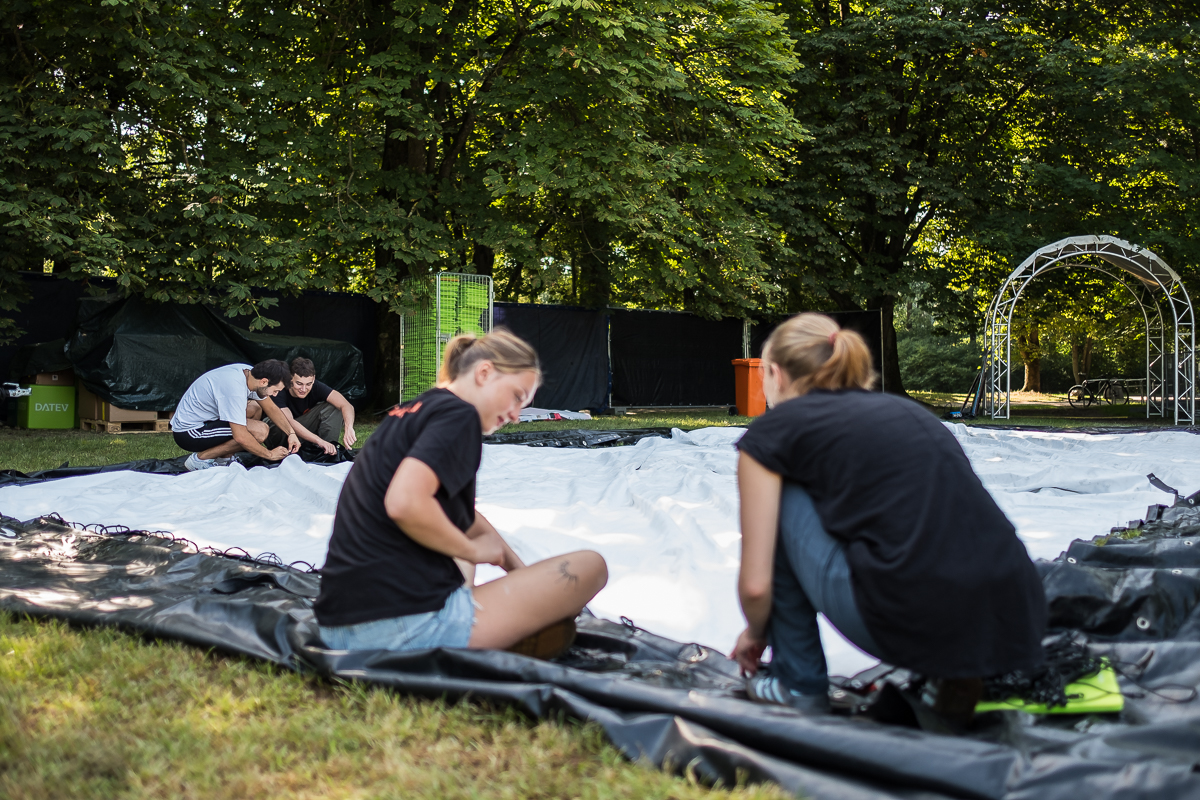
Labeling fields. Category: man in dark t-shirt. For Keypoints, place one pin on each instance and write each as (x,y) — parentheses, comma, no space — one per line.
(318,413)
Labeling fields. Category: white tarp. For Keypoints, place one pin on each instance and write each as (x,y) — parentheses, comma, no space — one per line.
(663,512)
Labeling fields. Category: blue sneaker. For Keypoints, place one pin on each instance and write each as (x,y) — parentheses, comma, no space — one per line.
(764,688)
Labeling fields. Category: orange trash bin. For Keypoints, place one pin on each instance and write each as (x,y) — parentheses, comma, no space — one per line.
(748,386)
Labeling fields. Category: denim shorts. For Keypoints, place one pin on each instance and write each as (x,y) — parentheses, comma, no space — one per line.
(448,627)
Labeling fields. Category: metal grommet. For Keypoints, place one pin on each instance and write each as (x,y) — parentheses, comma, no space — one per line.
(1176,572)
(1143,623)
(1188,542)
(838,694)
(1070,560)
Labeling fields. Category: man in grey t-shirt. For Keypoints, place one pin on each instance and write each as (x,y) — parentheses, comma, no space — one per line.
(221,413)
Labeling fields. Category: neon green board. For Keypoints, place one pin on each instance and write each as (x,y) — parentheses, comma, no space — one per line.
(463,306)
(1095,694)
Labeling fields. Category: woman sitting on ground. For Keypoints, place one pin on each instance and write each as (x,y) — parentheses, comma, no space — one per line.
(406,532)
(862,506)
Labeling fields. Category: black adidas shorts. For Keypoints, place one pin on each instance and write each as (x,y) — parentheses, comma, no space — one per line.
(210,434)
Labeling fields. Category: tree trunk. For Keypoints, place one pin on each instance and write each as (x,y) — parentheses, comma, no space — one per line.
(1031,355)
(890,380)
(483,259)
(889,356)
(1081,358)
(386,390)
(595,277)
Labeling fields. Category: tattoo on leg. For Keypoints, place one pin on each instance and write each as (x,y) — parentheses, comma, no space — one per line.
(565,572)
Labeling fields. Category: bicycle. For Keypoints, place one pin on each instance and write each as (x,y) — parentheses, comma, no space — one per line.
(1097,390)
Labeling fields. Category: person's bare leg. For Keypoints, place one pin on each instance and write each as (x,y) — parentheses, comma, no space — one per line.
(526,600)
(221,450)
(257,429)
(253,410)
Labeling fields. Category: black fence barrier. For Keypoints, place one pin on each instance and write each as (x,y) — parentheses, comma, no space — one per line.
(646,358)
(667,358)
(633,357)
(48,316)
(572,344)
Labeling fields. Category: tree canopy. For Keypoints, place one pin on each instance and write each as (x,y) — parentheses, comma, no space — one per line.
(727,157)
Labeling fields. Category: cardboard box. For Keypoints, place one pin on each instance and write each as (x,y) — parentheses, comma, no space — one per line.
(92,407)
(47,407)
(114,414)
(64,378)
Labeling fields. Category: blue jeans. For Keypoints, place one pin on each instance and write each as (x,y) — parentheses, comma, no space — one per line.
(811,575)
(448,627)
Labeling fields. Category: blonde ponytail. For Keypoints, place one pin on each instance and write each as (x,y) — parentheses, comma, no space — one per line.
(812,349)
(505,350)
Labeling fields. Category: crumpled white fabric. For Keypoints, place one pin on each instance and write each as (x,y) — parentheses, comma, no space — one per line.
(662,512)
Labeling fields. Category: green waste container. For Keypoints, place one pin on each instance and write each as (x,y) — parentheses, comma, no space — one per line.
(47,407)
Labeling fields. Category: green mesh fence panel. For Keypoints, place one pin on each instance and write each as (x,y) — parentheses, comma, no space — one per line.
(451,304)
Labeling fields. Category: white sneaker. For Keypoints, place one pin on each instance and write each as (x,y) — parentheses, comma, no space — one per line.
(195,462)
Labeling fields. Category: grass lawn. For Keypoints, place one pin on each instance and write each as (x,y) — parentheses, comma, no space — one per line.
(101,714)
(28,451)
(94,713)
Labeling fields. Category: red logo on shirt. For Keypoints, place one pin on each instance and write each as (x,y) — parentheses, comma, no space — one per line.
(400,412)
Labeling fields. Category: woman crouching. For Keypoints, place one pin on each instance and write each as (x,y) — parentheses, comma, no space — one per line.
(862,506)
(406,534)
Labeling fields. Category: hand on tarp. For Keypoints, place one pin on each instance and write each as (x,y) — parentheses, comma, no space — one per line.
(748,650)
(293,443)
(329,447)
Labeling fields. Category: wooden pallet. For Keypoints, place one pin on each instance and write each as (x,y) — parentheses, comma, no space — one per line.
(103,426)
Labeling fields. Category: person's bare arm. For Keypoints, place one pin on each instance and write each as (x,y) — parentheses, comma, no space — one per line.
(760,491)
(304,433)
(243,436)
(339,401)
(410,503)
(482,527)
(283,423)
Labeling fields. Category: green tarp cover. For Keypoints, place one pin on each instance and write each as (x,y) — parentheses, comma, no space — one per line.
(142,355)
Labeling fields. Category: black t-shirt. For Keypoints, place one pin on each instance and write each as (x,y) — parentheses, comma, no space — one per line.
(373,569)
(944,585)
(319,393)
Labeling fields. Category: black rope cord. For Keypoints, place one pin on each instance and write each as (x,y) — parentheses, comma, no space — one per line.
(1067,660)
(232,553)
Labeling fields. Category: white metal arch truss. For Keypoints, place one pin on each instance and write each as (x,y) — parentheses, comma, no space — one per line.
(1165,305)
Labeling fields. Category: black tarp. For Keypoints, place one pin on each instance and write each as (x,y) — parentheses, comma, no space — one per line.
(342,316)
(572,344)
(672,704)
(666,358)
(47,316)
(143,355)
(50,315)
